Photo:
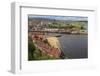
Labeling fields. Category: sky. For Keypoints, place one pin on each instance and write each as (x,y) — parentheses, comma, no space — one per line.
(67,18)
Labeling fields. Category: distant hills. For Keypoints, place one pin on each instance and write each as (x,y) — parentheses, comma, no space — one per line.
(57,18)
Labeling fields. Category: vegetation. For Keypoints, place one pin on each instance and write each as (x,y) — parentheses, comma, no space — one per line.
(31,49)
(70,25)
